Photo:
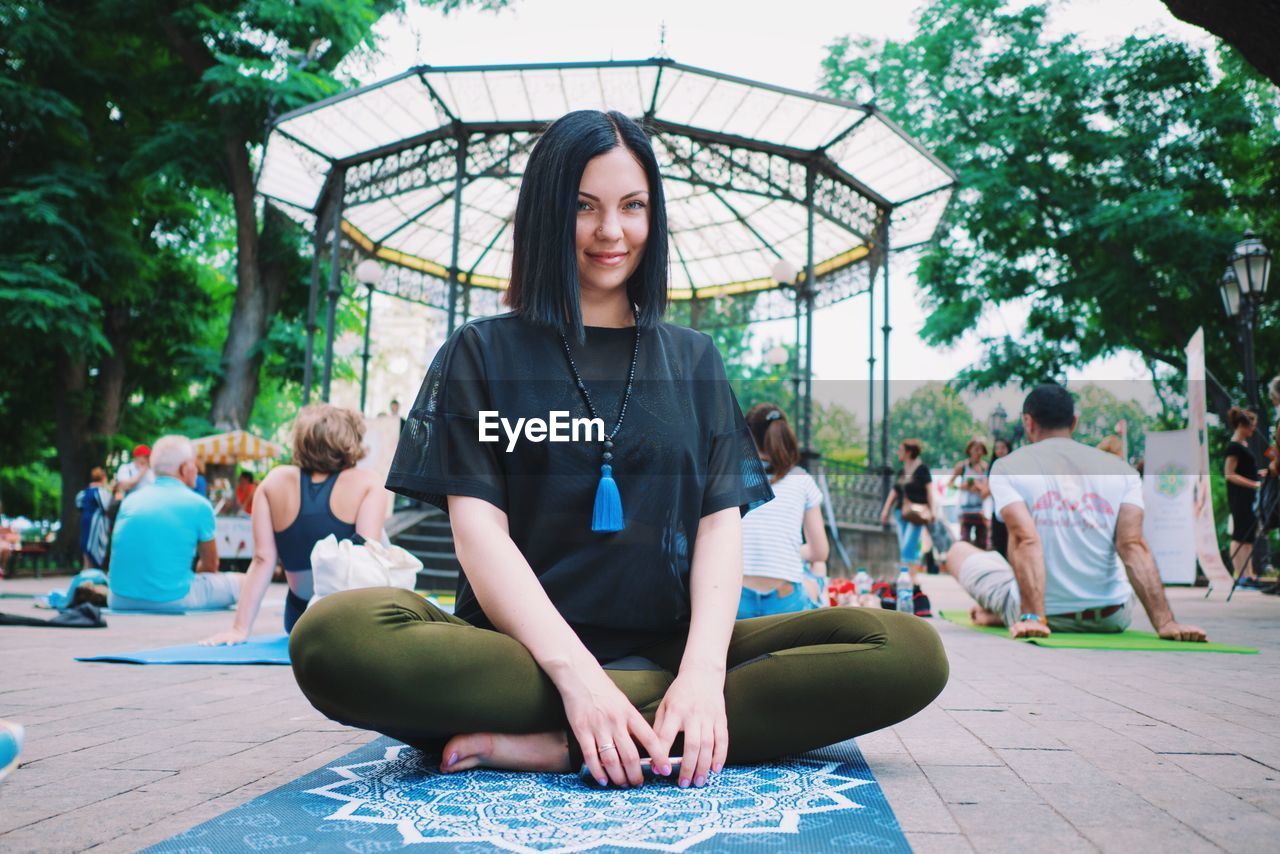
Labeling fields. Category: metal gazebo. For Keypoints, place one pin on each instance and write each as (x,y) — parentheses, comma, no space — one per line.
(422,170)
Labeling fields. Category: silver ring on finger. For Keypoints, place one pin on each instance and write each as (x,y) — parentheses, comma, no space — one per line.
(605,748)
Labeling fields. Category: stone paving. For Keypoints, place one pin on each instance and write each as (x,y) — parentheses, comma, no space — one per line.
(1027,749)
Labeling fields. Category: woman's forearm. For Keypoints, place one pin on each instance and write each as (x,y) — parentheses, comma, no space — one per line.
(256,581)
(715,586)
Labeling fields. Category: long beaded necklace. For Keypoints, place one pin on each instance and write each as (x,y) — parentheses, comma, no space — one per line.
(606,516)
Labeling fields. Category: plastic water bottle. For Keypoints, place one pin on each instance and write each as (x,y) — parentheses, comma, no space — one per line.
(905,592)
(862,582)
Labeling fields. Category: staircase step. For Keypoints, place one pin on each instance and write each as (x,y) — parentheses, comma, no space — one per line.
(436,579)
(428,541)
(438,560)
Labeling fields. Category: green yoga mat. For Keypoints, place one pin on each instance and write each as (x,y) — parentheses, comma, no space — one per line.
(1130,639)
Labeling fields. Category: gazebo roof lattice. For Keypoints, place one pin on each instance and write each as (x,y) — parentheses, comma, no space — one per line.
(753,173)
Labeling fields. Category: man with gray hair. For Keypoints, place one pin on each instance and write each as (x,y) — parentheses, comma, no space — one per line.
(160,533)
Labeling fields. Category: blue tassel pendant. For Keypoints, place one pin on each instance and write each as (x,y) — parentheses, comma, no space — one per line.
(607,515)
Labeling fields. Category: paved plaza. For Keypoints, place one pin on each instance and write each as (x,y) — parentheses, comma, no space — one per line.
(1028,749)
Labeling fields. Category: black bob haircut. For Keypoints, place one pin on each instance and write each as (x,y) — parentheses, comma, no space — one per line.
(1051,406)
(544,263)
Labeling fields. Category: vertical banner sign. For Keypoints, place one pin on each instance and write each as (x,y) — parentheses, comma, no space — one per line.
(1197,415)
(1168,522)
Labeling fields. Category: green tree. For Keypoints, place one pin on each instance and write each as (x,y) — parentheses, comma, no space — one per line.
(99,298)
(1100,187)
(140,279)
(1099,412)
(935,414)
(235,64)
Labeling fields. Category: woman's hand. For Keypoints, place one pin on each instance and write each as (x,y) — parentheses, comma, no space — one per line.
(230,637)
(694,705)
(607,728)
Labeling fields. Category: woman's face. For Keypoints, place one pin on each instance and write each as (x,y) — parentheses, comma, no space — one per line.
(903,454)
(613,220)
(1002,449)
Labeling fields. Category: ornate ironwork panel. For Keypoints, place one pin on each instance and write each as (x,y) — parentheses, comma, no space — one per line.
(845,206)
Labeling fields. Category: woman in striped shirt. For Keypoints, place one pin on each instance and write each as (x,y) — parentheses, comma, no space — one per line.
(773,556)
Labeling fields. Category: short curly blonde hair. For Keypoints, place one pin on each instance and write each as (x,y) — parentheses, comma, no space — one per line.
(327,438)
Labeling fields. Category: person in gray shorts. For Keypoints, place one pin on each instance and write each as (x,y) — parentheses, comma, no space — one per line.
(1074,515)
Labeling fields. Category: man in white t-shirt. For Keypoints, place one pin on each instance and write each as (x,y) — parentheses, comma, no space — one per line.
(1071,510)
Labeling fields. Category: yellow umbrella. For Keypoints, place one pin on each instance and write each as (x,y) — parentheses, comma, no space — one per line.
(235,447)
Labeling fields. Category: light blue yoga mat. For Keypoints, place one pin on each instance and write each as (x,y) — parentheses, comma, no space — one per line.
(387,797)
(259,649)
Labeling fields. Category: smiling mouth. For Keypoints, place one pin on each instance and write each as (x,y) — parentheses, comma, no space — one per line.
(609,258)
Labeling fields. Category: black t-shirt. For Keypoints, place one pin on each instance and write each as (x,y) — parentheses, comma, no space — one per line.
(1240,498)
(683,452)
(916,487)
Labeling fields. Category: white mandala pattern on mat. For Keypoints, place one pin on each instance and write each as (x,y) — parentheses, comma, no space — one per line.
(545,813)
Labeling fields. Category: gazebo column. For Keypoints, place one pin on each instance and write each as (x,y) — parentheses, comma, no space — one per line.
(809,291)
(871,372)
(364,359)
(335,280)
(460,178)
(885,468)
(313,298)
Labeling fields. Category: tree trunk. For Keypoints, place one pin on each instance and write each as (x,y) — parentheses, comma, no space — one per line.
(111,377)
(1250,26)
(258,284)
(262,281)
(71,421)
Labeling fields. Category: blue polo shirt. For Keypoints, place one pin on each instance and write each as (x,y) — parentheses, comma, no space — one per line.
(154,543)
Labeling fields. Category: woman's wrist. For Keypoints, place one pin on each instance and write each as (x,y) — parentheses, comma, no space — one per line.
(567,670)
(703,668)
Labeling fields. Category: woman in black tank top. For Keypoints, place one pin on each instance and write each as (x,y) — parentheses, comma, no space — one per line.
(326,447)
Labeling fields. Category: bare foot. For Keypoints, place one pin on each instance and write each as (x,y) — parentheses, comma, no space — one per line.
(982,617)
(541,751)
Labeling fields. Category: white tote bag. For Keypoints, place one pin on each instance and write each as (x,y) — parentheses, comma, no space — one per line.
(338,565)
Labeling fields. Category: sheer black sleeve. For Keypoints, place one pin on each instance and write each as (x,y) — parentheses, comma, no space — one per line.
(735,475)
(440,452)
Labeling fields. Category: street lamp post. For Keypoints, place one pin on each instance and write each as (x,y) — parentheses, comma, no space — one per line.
(998,422)
(785,273)
(369,274)
(776,357)
(1243,285)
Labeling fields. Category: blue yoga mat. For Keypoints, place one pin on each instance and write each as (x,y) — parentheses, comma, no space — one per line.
(386,796)
(259,649)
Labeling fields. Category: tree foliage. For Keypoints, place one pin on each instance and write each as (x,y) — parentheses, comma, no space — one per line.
(143,288)
(1100,188)
(1099,412)
(935,414)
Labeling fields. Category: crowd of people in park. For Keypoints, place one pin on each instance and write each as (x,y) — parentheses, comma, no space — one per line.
(1063,549)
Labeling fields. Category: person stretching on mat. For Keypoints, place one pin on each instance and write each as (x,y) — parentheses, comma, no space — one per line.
(1071,510)
(297,506)
(601,575)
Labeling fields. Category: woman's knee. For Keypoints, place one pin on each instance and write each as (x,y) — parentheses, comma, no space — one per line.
(334,638)
(918,655)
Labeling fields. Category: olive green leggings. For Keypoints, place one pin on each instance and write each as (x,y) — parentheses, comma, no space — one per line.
(387,660)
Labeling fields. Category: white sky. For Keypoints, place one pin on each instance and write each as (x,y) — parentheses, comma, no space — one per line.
(775,42)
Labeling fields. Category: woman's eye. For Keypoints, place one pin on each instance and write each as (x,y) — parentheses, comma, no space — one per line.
(636,204)
(583,206)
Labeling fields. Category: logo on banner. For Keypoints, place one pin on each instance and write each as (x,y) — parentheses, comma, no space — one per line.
(1172,480)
